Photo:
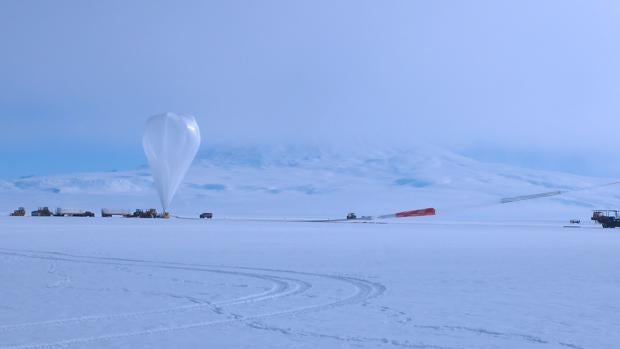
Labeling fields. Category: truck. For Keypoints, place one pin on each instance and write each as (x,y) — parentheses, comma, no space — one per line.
(140,213)
(42,212)
(20,212)
(351,216)
(607,218)
(150,213)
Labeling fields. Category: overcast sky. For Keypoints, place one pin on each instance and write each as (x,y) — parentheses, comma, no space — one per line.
(527,82)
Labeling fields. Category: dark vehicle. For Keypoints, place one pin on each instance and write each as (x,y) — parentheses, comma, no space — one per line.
(42,212)
(206,215)
(20,212)
(353,217)
(150,213)
(607,218)
(138,213)
(575,221)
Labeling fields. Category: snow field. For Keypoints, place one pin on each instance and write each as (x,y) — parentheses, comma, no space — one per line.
(97,283)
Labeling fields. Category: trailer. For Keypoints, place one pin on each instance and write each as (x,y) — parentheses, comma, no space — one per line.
(607,218)
(20,212)
(67,212)
(106,212)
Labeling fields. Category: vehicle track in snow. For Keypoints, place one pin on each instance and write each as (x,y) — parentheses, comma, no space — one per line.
(284,286)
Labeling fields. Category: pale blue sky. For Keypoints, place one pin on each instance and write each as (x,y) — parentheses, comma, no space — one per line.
(530,82)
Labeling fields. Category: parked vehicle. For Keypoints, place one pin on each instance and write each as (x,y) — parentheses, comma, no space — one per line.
(607,218)
(150,213)
(20,212)
(42,212)
(206,215)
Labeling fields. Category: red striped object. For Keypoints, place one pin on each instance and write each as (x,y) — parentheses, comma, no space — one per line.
(416,213)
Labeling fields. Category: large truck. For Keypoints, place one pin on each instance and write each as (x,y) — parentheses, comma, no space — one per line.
(20,212)
(150,213)
(42,212)
(607,218)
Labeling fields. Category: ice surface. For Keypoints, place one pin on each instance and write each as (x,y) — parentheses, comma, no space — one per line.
(122,283)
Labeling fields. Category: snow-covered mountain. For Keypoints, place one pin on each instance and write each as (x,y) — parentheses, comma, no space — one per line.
(311,182)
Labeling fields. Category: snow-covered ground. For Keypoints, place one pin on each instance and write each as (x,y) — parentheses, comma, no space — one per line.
(480,274)
(122,283)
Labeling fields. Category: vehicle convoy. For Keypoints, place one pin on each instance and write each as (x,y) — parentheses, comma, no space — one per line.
(607,218)
(20,212)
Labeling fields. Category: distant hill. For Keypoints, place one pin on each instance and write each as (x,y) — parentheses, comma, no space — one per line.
(311,182)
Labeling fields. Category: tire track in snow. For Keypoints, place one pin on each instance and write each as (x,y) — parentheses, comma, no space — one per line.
(530,339)
(282,287)
(346,339)
(363,290)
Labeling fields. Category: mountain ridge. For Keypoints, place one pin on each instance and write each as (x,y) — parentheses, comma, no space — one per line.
(261,180)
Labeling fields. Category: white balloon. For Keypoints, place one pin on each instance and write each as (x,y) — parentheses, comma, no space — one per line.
(170,143)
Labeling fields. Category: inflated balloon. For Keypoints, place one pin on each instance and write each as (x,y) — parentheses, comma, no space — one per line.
(170,143)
